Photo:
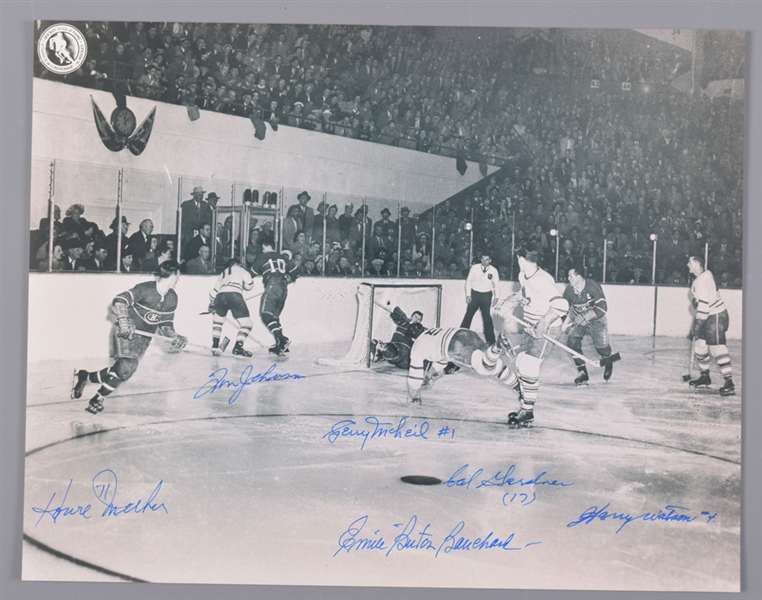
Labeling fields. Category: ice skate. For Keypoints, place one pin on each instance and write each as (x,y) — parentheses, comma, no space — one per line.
(79,383)
(702,380)
(96,405)
(238,350)
(520,419)
(582,378)
(728,388)
(607,371)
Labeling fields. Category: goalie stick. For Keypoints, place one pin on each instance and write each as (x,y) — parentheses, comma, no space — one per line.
(607,360)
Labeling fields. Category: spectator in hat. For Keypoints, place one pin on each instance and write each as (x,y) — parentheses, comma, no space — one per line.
(73,222)
(389,228)
(406,228)
(304,214)
(127,265)
(73,248)
(97,262)
(112,243)
(376,268)
(194,213)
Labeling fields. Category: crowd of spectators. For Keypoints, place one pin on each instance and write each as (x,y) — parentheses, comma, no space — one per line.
(603,170)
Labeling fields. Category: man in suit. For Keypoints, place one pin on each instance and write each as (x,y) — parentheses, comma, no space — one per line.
(201,265)
(193,214)
(202,239)
(140,241)
(304,215)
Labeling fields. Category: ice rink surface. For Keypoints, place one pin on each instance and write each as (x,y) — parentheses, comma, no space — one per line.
(255,489)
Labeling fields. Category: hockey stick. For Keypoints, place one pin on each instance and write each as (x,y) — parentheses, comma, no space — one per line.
(168,340)
(689,376)
(209,312)
(606,360)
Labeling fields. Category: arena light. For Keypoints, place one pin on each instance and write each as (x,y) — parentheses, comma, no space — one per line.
(653,237)
(468,227)
(554,232)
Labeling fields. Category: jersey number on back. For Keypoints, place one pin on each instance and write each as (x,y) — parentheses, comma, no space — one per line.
(277,266)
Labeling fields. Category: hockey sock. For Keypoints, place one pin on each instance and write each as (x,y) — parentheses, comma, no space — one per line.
(508,377)
(109,383)
(490,359)
(217,323)
(243,333)
(98,376)
(580,365)
(528,368)
(702,354)
(720,353)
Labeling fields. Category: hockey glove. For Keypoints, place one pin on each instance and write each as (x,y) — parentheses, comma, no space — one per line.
(178,343)
(125,326)
(211,308)
(398,316)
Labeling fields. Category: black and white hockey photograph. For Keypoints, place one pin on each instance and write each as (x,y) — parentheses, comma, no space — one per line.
(385,306)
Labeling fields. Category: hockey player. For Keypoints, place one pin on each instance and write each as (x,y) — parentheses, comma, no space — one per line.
(709,327)
(543,306)
(227,297)
(587,314)
(277,272)
(462,347)
(148,307)
(397,351)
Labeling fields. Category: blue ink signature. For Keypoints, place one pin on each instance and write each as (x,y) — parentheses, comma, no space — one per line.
(62,511)
(104,487)
(670,513)
(413,537)
(380,429)
(218,381)
(503,479)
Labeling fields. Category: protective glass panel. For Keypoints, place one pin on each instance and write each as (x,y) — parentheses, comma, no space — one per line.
(88,196)
(149,203)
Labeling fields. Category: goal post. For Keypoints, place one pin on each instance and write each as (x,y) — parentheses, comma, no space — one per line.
(375,302)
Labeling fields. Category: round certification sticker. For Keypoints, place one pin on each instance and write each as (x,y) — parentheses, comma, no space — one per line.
(62,49)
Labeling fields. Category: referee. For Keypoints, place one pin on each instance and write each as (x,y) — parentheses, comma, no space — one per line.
(481,294)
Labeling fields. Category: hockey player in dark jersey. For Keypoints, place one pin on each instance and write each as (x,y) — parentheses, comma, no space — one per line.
(277,271)
(227,297)
(149,307)
(587,314)
(397,350)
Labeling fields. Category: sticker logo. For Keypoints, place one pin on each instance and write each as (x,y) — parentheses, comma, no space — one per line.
(62,49)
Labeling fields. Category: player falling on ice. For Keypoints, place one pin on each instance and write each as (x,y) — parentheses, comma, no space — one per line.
(227,297)
(709,327)
(463,347)
(587,315)
(277,272)
(397,350)
(543,306)
(147,308)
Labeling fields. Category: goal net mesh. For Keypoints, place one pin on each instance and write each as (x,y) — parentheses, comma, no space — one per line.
(375,304)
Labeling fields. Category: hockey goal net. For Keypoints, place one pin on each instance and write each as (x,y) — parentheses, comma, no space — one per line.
(375,304)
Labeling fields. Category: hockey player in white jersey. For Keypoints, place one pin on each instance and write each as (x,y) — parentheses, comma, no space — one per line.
(462,347)
(227,296)
(543,306)
(709,327)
